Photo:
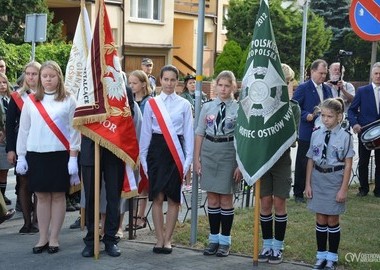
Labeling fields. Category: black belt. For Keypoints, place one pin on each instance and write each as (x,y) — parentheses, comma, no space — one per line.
(180,137)
(329,170)
(219,139)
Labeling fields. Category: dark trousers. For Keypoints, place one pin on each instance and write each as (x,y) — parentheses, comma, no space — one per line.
(112,170)
(364,158)
(300,169)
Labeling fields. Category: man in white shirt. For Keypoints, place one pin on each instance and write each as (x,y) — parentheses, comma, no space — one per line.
(340,88)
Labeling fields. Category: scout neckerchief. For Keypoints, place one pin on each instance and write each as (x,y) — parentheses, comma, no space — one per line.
(50,122)
(167,129)
(18,99)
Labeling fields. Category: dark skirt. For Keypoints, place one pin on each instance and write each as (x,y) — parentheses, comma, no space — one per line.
(48,171)
(163,173)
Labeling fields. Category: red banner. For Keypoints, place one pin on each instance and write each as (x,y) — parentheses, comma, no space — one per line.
(113,129)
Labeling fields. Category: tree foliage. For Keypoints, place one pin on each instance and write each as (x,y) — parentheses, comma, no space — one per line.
(229,59)
(12,20)
(287,28)
(357,66)
(17,56)
(335,13)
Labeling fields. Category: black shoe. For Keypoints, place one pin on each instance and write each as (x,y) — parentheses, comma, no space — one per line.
(53,249)
(88,252)
(75,204)
(33,229)
(8,215)
(275,257)
(7,201)
(38,250)
(69,206)
(265,254)
(112,250)
(330,265)
(223,251)
(24,230)
(299,200)
(167,250)
(211,249)
(76,224)
(157,250)
(361,193)
(320,264)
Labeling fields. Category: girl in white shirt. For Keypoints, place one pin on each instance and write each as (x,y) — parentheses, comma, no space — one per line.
(48,159)
(165,165)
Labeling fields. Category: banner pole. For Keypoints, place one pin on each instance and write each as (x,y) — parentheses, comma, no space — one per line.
(96,203)
(97,182)
(256,224)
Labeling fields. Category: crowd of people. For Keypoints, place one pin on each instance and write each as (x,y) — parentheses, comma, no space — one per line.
(42,108)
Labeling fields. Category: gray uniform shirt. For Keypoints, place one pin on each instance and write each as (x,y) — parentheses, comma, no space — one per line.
(340,147)
(209,113)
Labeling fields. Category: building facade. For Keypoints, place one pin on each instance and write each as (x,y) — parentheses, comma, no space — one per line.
(165,31)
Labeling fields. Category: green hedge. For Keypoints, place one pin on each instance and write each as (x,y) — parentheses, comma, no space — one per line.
(17,56)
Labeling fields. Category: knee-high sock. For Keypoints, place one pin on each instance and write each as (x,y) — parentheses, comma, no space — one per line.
(321,234)
(280,222)
(227,220)
(334,238)
(214,217)
(266,226)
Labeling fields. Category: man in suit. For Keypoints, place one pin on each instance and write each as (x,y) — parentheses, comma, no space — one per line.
(308,95)
(363,111)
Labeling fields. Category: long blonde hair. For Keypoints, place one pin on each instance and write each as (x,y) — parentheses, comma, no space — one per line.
(142,77)
(25,87)
(9,87)
(61,93)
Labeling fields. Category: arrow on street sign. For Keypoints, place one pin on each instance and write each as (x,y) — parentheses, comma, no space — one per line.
(365,19)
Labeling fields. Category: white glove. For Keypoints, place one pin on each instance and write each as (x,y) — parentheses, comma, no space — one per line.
(74,179)
(22,165)
(72,166)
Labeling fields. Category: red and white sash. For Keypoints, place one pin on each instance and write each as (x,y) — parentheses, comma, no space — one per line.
(129,182)
(57,131)
(18,99)
(171,138)
(52,125)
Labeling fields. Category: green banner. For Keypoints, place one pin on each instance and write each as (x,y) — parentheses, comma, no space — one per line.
(265,126)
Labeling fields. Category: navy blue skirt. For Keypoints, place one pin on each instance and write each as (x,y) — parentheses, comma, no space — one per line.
(48,171)
(163,173)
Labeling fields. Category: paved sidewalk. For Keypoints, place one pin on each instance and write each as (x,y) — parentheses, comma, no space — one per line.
(16,250)
(16,253)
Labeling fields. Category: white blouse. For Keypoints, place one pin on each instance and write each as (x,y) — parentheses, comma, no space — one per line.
(35,135)
(182,118)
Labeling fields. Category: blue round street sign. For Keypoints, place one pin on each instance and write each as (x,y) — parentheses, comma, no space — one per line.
(365,19)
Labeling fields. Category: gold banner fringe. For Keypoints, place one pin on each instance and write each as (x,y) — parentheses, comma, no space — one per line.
(130,194)
(75,188)
(83,120)
(105,143)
